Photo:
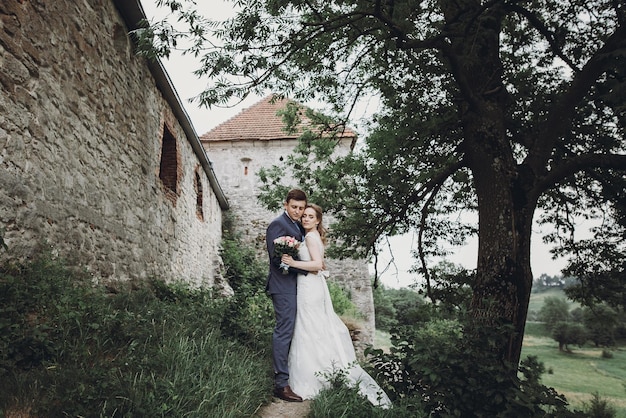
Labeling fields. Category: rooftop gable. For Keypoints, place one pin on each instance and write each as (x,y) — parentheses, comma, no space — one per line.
(260,122)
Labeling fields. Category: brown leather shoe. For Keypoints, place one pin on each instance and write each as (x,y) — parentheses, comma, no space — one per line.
(286,394)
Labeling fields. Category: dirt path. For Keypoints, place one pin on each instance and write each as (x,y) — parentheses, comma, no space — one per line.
(281,409)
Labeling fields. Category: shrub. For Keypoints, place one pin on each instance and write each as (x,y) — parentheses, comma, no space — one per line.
(607,354)
(385,310)
(249,313)
(599,408)
(448,366)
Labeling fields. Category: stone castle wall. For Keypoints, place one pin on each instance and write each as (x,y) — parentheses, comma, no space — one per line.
(237,164)
(81,127)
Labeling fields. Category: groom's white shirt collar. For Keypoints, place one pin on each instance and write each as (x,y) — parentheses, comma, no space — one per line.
(294,222)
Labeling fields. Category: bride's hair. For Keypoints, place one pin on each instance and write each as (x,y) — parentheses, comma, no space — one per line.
(320,227)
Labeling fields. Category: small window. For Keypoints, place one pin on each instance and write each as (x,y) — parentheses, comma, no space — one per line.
(198,188)
(168,172)
(246,162)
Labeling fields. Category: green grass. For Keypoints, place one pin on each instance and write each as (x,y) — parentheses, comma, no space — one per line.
(577,375)
(69,348)
(167,350)
(580,373)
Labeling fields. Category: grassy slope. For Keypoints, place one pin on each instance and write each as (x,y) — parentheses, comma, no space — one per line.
(580,373)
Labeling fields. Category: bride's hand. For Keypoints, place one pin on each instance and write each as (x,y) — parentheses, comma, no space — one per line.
(287,259)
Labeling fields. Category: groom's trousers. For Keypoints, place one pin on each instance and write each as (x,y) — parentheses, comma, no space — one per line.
(285,313)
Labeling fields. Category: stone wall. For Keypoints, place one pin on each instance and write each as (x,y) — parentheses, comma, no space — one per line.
(81,125)
(237,164)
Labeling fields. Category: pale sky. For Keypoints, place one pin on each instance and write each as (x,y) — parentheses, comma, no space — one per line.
(180,69)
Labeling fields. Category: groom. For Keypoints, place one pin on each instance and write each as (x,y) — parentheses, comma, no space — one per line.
(282,289)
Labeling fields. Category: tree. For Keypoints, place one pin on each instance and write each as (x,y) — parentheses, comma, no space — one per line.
(554,310)
(545,282)
(601,322)
(501,107)
(408,305)
(566,333)
(385,312)
(449,286)
(600,268)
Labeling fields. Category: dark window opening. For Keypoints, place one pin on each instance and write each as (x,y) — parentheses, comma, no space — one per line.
(198,187)
(246,163)
(168,172)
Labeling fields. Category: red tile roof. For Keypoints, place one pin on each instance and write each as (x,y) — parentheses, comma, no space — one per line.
(259,122)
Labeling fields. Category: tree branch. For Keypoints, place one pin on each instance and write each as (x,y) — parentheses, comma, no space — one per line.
(420,243)
(561,114)
(579,163)
(434,183)
(546,32)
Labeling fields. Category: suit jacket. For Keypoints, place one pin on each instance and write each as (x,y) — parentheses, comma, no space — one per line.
(277,282)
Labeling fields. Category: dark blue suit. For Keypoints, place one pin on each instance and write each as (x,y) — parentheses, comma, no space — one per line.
(282,288)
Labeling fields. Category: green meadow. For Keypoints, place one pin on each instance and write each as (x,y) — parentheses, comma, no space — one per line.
(581,372)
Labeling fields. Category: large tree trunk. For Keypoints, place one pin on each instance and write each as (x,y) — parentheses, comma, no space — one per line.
(503,283)
(501,292)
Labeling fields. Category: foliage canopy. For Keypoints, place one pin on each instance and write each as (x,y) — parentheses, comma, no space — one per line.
(501,107)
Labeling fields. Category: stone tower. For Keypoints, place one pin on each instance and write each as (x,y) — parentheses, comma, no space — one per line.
(239,148)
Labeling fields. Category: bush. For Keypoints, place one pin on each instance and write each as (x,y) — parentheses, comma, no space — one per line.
(448,367)
(385,311)
(599,408)
(342,304)
(249,313)
(607,354)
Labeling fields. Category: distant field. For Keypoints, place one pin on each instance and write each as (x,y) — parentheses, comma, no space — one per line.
(536,299)
(578,374)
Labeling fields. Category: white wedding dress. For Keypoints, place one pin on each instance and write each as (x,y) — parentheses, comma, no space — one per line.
(321,342)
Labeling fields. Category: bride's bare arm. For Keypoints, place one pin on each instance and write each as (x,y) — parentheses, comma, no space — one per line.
(317,261)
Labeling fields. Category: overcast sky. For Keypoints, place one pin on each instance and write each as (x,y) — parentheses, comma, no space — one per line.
(180,69)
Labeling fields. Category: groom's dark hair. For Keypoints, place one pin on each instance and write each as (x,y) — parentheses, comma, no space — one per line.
(296,194)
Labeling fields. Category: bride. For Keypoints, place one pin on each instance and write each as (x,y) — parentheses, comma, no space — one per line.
(321,343)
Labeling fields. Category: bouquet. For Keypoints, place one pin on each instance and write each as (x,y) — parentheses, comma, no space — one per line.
(286,245)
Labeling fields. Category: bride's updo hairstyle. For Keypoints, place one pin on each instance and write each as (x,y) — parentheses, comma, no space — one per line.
(320,226)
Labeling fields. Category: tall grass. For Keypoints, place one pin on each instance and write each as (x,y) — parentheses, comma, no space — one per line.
(342,401)
(71,348)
